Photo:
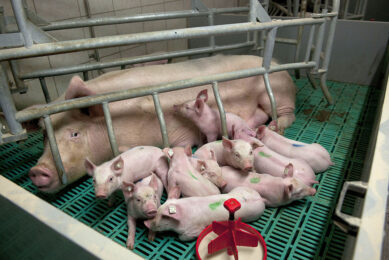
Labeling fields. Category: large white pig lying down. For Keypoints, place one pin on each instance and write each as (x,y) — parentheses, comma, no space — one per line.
(314,154)
(189,216)
(236,153)
(183,175)
(209,123)
(130,166)
(275,191)
(82,133)
(142,200)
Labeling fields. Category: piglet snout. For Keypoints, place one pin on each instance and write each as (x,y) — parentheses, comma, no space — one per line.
(223,184)
(247,168)
(151,213)
(101,194)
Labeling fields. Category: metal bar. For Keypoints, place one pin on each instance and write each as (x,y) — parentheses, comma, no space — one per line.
(222,113)
(296,7)
(136,18)
(319,44)
(20,86)
(119,40)
(271,97)
(211,23)
(36,112)
(54,150)
(45,90)
(309,44)
(7,104)
(111,133)
(85,75)
(96,55)
(21,20)
(161,119)
(127,61)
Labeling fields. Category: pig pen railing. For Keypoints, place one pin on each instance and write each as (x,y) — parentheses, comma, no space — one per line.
(258,21)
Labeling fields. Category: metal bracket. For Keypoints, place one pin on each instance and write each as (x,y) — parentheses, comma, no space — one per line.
(198,5)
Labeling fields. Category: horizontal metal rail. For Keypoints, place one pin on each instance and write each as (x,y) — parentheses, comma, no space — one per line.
(129,61)
(137,18)
(37,112)
(147,37)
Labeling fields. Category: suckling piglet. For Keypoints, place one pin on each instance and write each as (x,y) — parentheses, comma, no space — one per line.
(275,191)
(314,154)
(270,162)
(183,175)
(235,153)
(210,169)
(143,200)
(189,216)
(208,120)
(130,166)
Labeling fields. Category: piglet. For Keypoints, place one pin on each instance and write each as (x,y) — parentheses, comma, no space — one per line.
(210,169)
(268,161)
(314,154)
(182,174)
(142,200)
(130,166)
(208,120)
(275,191)
(236,153)
(189,216)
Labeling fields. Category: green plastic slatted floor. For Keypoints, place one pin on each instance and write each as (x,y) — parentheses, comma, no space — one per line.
(301,230)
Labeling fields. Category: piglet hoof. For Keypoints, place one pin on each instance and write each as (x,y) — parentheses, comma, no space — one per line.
(151,235)
(130,244)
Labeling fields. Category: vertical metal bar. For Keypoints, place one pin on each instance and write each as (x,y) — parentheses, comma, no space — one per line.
(253,19)
(211,23)
(222,113)
(85,75)
(20,16)
(45,90)
(309,44)
(271,96)
(345,11)
(161,119)
(7,104)
(111,133)
(295,8)
(364,9)
(289,6)
(299,36)
(54,150)
(91,29)
(319,43)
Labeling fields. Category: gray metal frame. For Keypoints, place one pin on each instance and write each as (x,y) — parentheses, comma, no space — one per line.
(266,44)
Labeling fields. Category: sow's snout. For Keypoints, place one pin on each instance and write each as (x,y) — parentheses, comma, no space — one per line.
(43,178)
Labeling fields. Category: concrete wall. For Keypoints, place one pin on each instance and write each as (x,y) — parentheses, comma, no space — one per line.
(59,10)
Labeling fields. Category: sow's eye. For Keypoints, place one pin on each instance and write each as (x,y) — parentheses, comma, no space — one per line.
(74,134)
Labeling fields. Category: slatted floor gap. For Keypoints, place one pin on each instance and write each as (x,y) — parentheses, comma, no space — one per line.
(301,230)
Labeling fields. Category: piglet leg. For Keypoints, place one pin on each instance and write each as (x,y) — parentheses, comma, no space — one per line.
(131,222)
(151,235)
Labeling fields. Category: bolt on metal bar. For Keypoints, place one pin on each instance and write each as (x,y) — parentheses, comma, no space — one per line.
(319,43)
(127,61)
(119,40)
(220,106)
(7,104)
(61,106)
(21,20)
(161,119)
(54,150)
(111,133)
(45,90)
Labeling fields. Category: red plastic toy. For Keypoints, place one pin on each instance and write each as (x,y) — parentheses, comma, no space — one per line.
(231,233)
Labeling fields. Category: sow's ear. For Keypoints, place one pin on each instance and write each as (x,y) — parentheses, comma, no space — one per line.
(77,88)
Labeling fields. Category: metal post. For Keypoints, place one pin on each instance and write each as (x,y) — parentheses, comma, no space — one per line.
(111,133)
(212,37)
(7,104)
(222,113)
(319,43)
(270,40)
(54,150)
(85,75)
(161,119)
(45,90)
(295,8)
(20,16)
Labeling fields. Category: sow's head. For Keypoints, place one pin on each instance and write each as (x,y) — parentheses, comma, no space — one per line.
(75,132)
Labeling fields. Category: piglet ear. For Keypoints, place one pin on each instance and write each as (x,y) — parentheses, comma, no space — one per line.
(261,131)
(288,171)
(128,189)
(213,156)
(168,152)
(255,143)
(233,132)
(148,223)
(203,94)
(312,191)
(174,193)
(188,150)
(288,190)
(154,182)
(89,166)
(117,166)
(199,106)
(202,166)
(172,211)
(227,144)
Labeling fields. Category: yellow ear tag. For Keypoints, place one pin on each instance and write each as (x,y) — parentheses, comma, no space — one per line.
(172,210)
